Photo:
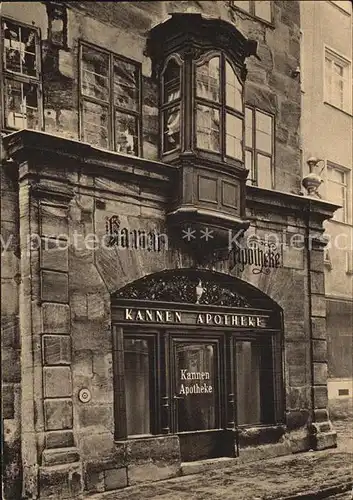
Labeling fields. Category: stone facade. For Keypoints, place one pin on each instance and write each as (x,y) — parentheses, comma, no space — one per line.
(57,289)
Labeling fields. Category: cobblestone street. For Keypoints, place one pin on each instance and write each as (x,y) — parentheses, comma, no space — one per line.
(280,478)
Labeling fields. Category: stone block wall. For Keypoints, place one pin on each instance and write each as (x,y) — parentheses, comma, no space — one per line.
(10,335)
(122,28)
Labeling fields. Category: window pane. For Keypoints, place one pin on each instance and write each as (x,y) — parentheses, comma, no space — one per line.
(263,132)
(126,133)
(234,89)
(234,135)
(263,10)
(21,105)
(248,127)
(208,80)
(334,174)
(264,172)
(94,74)
(20,49)
(172,81)
(254,383)
(242,4)
(207,128)
(137,356)
(171,129)
(249,166)
(95,124)
(126,85)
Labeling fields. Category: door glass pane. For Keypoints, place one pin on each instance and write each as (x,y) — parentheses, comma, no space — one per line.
(196,386)
(138,369)
(234,89)
(254,376)
(234,135)
(208,80)
(207,128)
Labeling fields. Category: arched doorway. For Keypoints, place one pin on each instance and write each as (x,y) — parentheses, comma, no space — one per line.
(197,354)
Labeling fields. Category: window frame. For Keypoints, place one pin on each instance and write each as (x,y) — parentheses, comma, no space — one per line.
(341,8)
(120,413)
(252,11)
(221,106)
(255,151)
(346,64)
(165,106)
(110,104)
(6,74)
(302,56)
(347,215)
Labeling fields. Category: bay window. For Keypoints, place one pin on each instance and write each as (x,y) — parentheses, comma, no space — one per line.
(217,109)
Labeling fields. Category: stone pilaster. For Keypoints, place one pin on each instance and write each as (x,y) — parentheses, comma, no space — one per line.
(322,433)
(48,446)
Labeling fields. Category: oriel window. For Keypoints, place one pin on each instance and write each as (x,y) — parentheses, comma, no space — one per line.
(171,105)
(219,107)
(21,67)
(110,100)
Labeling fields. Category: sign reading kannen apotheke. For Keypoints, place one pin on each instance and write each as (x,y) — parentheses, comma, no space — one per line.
(174,317)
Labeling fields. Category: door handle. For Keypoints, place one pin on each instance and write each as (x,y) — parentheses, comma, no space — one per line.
(177,397)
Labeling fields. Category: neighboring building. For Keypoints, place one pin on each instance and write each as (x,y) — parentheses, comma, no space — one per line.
(137,336)
(327,134)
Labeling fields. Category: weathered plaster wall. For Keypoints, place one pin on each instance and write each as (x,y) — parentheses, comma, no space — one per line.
(122,28)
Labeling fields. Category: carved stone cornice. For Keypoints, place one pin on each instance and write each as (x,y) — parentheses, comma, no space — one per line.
(38,149)
(184,32)
(312,210)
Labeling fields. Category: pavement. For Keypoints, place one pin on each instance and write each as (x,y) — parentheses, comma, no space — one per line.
(309,475)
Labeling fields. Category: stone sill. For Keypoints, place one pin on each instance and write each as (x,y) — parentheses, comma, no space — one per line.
(344,111)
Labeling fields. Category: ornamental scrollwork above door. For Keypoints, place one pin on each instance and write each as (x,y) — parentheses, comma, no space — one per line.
(183,288)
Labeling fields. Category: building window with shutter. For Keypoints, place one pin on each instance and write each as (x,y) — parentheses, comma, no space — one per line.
(110,100)
(22,86)
(259,147)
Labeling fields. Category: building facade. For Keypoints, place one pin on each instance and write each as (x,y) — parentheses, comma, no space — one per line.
(327,125)
(163,276)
